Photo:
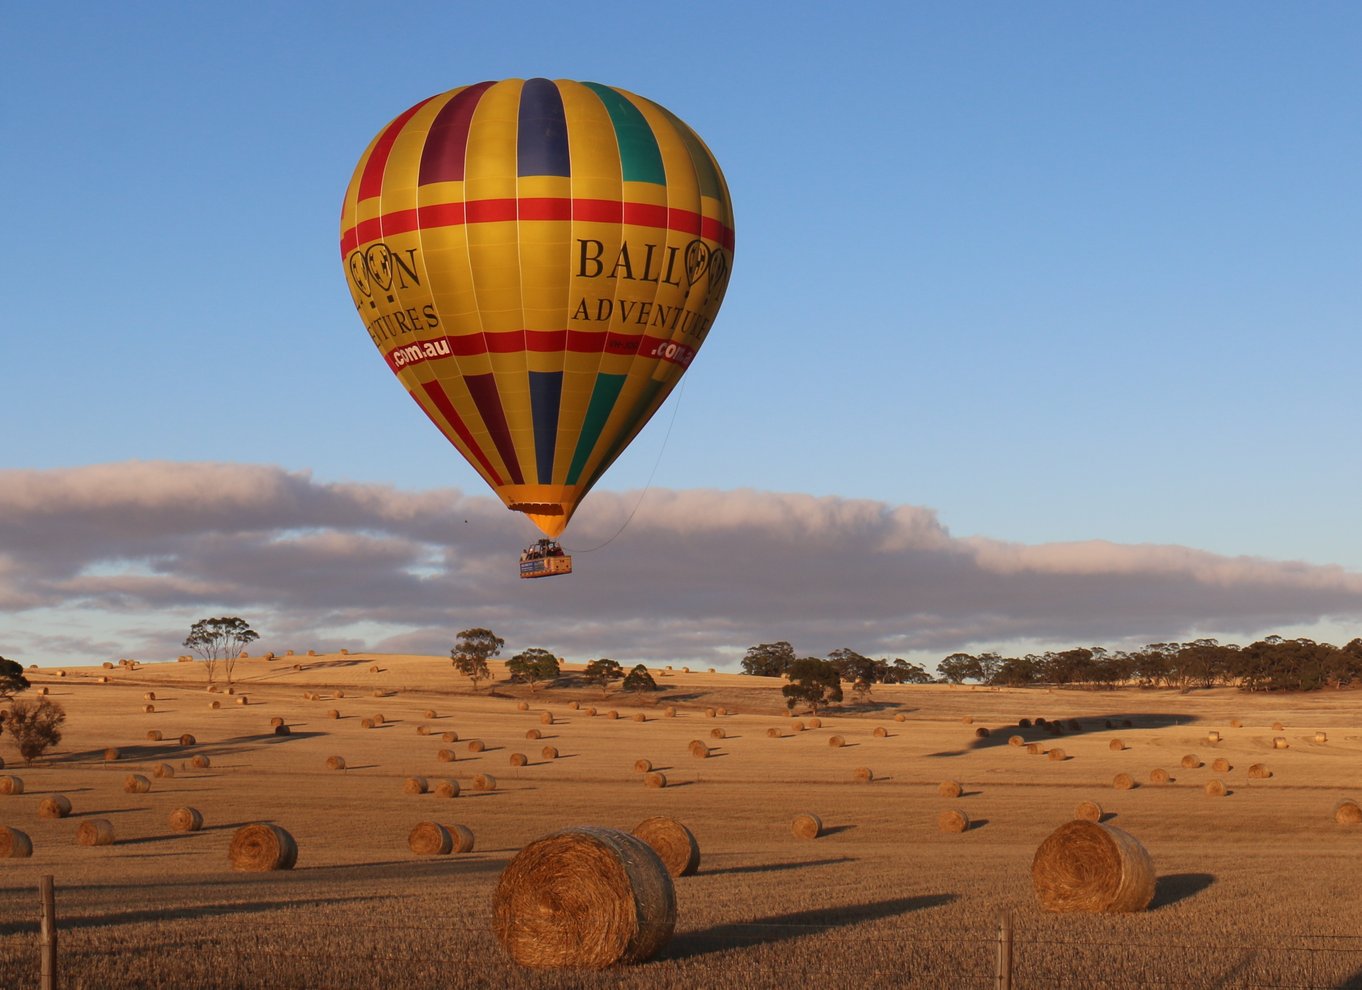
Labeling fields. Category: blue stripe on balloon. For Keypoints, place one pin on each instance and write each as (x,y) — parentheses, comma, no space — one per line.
(546,392)
(542,139)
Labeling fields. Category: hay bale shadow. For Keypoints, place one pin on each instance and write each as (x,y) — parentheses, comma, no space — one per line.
(777,867)
(1177,887)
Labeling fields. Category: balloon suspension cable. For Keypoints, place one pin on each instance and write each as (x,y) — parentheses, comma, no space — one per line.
(680,390)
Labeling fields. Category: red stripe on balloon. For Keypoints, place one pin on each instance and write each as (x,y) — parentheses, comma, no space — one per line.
(371,182)
(549,342)
(441,402)
(483,389)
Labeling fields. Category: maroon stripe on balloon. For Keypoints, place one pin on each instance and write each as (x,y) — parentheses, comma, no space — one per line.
(483,389)
(442,159)
(441,402)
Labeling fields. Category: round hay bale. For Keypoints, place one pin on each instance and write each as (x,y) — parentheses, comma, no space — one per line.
(430,839)
(642,766)
(429,713)
(262,847)
(366,723)
(654,779)
(42,691)
(1015,741)
(148,709)
(674,844)
(378,719)
(814,723)
(1057,755)
(14,844)
(900,717)
(1213,737)
(340,694)
(1236,723)
(149,696)
(797,726)
(575,705)
(549,752)
(282,730)
(463,838)
(1191,762)
(242,700)
(639,717)
(61,673)
(716,733)
(276,721)
(187,740)
(981,733)
(153,735)
(484,782)
(585,898)
(949,789)
(1123,782)
(200,762)
(1116,746)
(1215,787)
(1278,727)
(163,770)
(1035,749)
(546,718)
(135,783)
(95,832)
(414,785)
(519,759)
(612,715)
(669,712)
(773,733)
(864,775)
(967,719)
(107,665)
(373,667)
(1279,742)
(1158,776)
(423,730)
(1348,812)
(335,763)
(880,732)
(698,749)
(1321,738)
(332,713)
(55,806)
(807,826)
(10,784)
(186,819)
(1221,765)
(1259,771)
(952,820)
(1088,811)
(446,756)
(522,706)
(711,713)
(1091,867)
(836,742)
(110,754)
(214,705)
(534,734)
(449,736)
(1127,723)
(447,789)
(476,745)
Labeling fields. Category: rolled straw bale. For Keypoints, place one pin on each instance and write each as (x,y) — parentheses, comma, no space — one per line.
(836,742)
(1074,725)
(135,783)
(698,749)
(163,770)
(642,766)
(1259,771)
(797,726)
(773,733)
(1023,723)
(807,826)
(332,713)
(243,700)
(1348,812)
(107,665)
(981,733)
(880,732)
(669,712)
(1158,776)
(534,734)
(373,668)
(95,832)
(1127,723)
(1041,721)
(1215,787)
(1236,723)
(200,762)
(423,730)
(814,723)
(1088,811)
(484,782)
(446,756)
(476,745)
(952,820)
(215,705)
(1035,749)
(447,789)
(1091,867)
(522,706)
(10,784)
(55,806)
(463,838)
(1213,737)
(864,775)
(153,735)
(1057,755)
(186,819)
(654,779)
(14,844)
(575,705)
(148,709)
(149,696)
(1015,741)
(710,713)
(1279,742)
(639,717)
(967,719)
(674,844)
(429,713)
(1191,762)
(1116,746)
(1221,765)
(187,740)
(340,694)
(950,788)
(612,715)
(335,763)
(366,723)
(282,730)
(716,733)
(519,759)
(61,673)
(1123,782)
(430,839)
(262,847)
(111,754)
(449,736)
(276,721)
(1278,727)
(378,719)
(546,718)
(900,717)
(42,690)
(1321,738)
(549,752)
(414,785)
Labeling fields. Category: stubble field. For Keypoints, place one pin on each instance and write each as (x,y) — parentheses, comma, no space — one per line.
(1256,888)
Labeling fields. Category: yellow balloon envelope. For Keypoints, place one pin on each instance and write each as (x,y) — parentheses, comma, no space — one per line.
(538,262)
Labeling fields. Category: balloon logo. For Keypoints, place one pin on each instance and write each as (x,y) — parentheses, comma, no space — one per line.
(538,262)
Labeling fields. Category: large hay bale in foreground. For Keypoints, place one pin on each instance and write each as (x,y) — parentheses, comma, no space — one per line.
(1348,812)
(14,844)
(1035,749)
(1088,811)
(9,784)
(262,847)
(584,897)
(814,723)
(1057,755)
(546,718)
(698,749)
(807,826)
(952,820)
(186,819)
(430,839)
(1016,741)
(95,832)
(674,844)
(462,836)
(135,783)
(1088,866)
(187,740)
(880,732)
(446,756)
(55,806)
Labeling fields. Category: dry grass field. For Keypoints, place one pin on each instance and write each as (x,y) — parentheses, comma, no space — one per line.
(1256,888)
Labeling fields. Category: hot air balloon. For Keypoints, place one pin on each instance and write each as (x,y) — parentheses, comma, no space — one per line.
(538,262)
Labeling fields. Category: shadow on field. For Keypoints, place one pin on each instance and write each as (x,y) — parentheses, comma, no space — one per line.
(69,921)
(782,927)
(1178,887)
(1059,729)
(776,867)
(173,836)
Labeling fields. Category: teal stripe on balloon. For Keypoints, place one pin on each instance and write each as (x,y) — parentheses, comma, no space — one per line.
(603,396)
(640,157)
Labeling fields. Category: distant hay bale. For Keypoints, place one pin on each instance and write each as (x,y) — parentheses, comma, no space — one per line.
(575,705)
(1123,782)
(654,779)
(463,838)
(332,713)
(642,766)
(1088,811)
(476,745)
(1348,812)
(186,819)
(243,700)
(1035,749)
(1236,724)
(1109,724)
(591,713)
(1116,746)
(674,844)
(111,754)
(95,832)
(447,789)
(639,717)
(135,783)
(153,735)
(1074,725)
(414,785)
(446,756)
(449,737)
(282,730)
(685,670)
(584,898)
(1213,737)
(519,759)
(807,826)
(1090,867)
(716,733)
(423,730)
(900,717)
(61,673)
(1221,765)
(215,705)
(261,848)
(200,762)
(549,752)
(366,723)
(836,742)
(378,719)
(276,721)
(864,775)
(1057,755)
(1015,741)
(1259,771)
(698,749)
(1023,723)
(1127,723)
(981,733)
(1321,738)
(1041,721)
(1278,727)
(484,782)
(797,726)
(55,806)
(9,784)
(42,690)
(773,733)
(669,712)
(814,723)
(14,844)
(1279,742)
(880,732)
(107,665)
(1158,776)
(952,820)
(546,718)
(335,763)
(373,667)
(149,696)
(612,715)
(1215,787)
(430,839)
(967,719)
(721,709)
(949,789)
(534,734)
(1191,762)
(340,694)
(162,770)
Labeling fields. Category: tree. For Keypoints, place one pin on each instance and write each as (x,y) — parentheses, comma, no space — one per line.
(602,672)
(853,667)
(813,682)
(12,679)
(472,649)
(35,726)
(960,667)
(532,666)
(906,672)
(220,639)
(639,679)
(768,659)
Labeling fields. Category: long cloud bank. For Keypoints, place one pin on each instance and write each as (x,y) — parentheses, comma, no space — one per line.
(116,559)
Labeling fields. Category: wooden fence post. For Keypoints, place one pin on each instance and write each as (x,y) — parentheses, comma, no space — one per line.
(1004,950)
(47,933)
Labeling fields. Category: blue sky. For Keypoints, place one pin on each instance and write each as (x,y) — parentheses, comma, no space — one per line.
(1056,272)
